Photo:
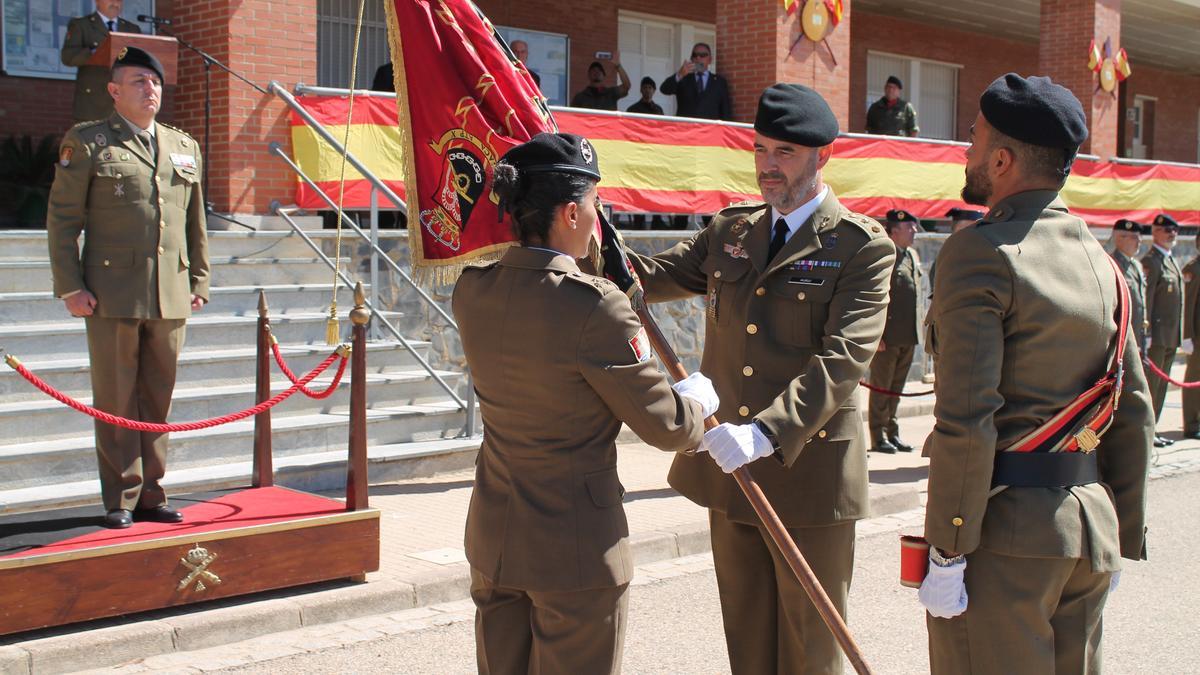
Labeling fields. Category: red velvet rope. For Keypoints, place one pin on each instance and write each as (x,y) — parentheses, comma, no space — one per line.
(155,427)
(889,392)
(1158,371)
(325,393)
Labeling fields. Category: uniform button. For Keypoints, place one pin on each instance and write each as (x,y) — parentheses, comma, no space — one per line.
(156,179)
(822,433)
(161,201)
(118,174)
(161,250)
(743,411)
(751,329)
(760,291)
(801,295)
(717,274)
(956,521)
(107,263)
(162,224)
(747,371)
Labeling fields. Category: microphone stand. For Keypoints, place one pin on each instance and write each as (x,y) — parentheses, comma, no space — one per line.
(209,62)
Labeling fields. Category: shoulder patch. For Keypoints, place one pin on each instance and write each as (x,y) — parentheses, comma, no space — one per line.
(869,226)
(598,284)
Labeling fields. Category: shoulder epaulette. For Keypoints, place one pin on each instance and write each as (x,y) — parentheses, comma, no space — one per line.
(869,226)
(168,126)
(598,284)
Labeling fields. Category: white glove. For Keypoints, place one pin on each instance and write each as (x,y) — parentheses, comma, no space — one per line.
(1114,581)
(700,389)
(943,592)
(734,445)
(1187,346)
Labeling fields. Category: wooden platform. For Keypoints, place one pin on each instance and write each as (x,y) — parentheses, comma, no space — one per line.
(59,567)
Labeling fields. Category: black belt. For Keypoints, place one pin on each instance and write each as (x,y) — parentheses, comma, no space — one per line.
(1045,469)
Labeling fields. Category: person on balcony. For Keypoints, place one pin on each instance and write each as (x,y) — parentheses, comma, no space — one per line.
(698,91)
(892,115)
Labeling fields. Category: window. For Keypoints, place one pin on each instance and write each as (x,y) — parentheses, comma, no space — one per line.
(549,54)
(336,20)
(654,47)
(34,31)
(931,87)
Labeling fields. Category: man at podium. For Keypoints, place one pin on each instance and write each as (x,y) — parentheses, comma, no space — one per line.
(84,35)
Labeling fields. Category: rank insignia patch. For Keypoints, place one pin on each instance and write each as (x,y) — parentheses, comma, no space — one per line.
(640,344)
(64,156)
(736,251)
(831,241)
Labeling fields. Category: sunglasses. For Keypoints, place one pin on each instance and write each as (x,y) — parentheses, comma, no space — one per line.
(700,55)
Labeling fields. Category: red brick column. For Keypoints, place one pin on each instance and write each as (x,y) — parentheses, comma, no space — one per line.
(263,40)
(1067,29)
(754,38)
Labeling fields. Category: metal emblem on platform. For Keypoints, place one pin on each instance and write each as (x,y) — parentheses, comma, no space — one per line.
(197,561)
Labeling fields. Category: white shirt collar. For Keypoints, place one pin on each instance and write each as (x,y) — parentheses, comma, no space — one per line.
(548,250)
(798,217)
(1162,250)
(106,19)
(137,130)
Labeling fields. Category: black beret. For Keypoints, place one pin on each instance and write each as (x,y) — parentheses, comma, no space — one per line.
(545,152)
(899,216)
(1035,111)
(1163,220)
(964,214)
(132,56)
(597,64)
(795,114)
(892,79)
(1126,225)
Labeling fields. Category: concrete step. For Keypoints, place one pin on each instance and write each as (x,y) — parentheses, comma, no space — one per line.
(45,418)
(32,245)
(66,460)
(204,331)
(199,368)
(42,307)
(23,276)
(312,472)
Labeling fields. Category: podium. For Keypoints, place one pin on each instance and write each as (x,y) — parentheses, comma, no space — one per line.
(165,49)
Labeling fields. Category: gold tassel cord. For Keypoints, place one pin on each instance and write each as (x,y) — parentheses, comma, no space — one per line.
(332,330)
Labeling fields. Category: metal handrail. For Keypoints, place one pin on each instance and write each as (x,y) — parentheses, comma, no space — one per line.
(277,150)
(286,214)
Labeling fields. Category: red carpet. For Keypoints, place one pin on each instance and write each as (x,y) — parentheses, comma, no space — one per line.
(241,508)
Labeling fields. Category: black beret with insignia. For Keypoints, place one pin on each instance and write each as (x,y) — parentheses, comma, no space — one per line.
(132,56)
(892,79)
(964,214)
(1163,220)
(793,113)
(1035,111)
(899,216)
(1126,225)
(546,152)
(597,64)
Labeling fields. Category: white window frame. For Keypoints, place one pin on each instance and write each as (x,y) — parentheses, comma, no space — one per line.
(912,83)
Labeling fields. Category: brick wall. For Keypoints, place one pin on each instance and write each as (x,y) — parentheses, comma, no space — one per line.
(983,58)
(1176,112)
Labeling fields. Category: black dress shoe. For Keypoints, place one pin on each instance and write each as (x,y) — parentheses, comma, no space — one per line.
(158,514)
(1160,442)
(885,447)
(900,445)
(118,519)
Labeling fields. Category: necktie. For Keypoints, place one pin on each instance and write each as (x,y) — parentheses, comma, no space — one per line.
(700,82)
(148,143)
(778,240)
(112,28)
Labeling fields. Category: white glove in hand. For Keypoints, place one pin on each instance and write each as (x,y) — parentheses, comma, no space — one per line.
(734,445)
(943,592)
(1187,346)
(700,389)
(1114,581)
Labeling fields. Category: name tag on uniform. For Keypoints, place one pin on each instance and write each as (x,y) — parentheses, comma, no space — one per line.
(807,281)
(183,161)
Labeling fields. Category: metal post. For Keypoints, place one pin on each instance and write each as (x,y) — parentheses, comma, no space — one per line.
(262,474)
(356,463)
(374,258)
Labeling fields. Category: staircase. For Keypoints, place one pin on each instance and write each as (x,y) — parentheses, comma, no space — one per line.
(47,451)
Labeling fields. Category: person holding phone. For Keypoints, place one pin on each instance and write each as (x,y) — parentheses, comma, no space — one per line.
(698,91)
(597,96)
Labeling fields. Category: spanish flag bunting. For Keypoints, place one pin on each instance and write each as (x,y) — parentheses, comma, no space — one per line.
(835,12)
(790,6)
(1122,63)
(1094,58)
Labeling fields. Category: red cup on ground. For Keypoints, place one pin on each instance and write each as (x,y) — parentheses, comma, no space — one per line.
(914,560)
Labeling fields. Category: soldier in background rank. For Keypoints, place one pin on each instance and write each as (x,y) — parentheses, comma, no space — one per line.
(892,115)
(1126,241)
(132,185)
(1164,307)
(1025,546)
(797,293)
(560,360)
(889,368)
(959,219)
(84,35)
(1191,333)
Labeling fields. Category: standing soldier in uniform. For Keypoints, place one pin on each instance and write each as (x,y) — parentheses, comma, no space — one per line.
(889,368)
(560,360)
(892,115)
(1164,307)
(1025,545)
(133,186)
(797,292)
(84,35)
(1191,333)
(1126,241)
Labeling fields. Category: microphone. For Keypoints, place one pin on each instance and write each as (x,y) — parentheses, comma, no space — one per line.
(146,18)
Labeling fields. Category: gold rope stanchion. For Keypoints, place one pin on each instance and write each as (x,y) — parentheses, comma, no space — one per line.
(332,332)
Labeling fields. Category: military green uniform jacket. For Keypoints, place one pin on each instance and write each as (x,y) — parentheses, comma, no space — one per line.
(559,360)
(146,251)
(1164,298)
(1191,317)
(898,120)
(1136,280)
(785,343)
(904,306)
(1023,320)
(84,34)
